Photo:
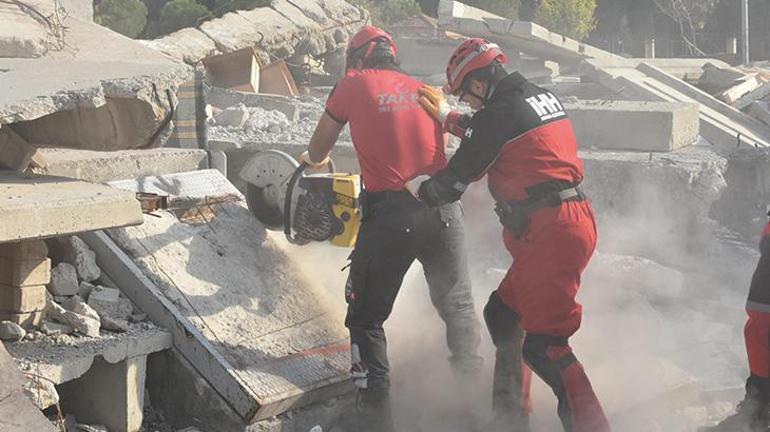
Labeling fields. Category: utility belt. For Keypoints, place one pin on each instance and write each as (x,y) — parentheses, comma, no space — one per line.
(369,200)
(515,215)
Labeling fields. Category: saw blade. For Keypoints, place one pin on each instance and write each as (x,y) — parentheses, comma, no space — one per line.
(267,174)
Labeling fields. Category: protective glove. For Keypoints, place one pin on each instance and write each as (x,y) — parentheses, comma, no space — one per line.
(434,102)
(413,185)
(305,158)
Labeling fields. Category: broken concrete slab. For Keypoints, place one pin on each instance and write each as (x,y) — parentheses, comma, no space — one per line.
(92,92)
(36,207)
(636,126)
(669,196)
(732,94)
(255,387)
(722,125)
(64,280)
(716,79)
(101,167)
(77,305)
(54,328)
(17,412)
(25,250)
(68,358)
(233,116)
(185,190)
(528,37)
(761,93)
(188,45)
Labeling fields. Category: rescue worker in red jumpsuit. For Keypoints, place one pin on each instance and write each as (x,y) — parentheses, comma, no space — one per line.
(522,139)
(752,413)
(395,139)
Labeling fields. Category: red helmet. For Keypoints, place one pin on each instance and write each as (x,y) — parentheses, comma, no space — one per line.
(470,55)
(366,36)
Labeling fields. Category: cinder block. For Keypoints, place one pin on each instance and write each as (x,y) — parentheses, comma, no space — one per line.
(27,320)
(22,299)
(21,272)
(25,250)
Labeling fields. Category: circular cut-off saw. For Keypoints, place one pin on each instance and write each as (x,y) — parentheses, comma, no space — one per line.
(325,208)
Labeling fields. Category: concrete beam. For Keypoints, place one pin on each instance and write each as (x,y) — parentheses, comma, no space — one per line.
(635,126)
(102,167)
(528,37)
(34,207)
(108,394)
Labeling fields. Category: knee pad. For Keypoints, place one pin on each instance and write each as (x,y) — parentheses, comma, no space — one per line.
(502,322)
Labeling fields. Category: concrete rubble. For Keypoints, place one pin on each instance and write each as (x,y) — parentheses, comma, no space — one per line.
(286,29)
(86,87)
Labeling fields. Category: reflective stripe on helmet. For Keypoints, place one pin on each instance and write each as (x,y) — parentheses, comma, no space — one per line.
(477,52)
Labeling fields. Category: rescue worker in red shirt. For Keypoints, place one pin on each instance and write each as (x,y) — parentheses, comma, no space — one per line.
(395,140)
(522,139)
(752,413)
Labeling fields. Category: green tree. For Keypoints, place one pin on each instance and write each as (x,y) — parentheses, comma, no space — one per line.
(386,12)
(571,18)
(504,8)
(221,7)
(127,17)
(178,14)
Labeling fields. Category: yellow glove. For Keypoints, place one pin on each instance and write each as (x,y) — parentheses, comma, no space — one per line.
(434,102)
(305,158)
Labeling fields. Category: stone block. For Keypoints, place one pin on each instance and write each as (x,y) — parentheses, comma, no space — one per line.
(77,253)
(108,394)
(54,328)
(78,306)
(10,331)
(22,299)
(25,250)
(760,111)
(84,289)
(64,280)
(105,301)
(636,126)
(27,320)
(83,324)
(20,272)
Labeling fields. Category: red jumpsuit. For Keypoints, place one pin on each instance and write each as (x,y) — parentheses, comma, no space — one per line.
(757,330)
(524,141)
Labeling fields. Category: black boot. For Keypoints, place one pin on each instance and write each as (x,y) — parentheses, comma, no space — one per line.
(751,414)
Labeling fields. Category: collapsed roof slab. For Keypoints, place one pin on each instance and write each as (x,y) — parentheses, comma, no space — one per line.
(100,167)
(97,74)
(248,319)
(285,28)
(528,37)
(45,206)
(722,125)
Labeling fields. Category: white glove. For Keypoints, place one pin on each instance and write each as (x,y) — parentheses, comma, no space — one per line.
(305,157)
(413,185)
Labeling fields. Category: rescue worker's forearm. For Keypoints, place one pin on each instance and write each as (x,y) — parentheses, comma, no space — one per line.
(324,138)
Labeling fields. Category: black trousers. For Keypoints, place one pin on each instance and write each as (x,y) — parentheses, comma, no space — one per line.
(397,232)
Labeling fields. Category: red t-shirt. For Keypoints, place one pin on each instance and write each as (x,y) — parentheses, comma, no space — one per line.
(395,138)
